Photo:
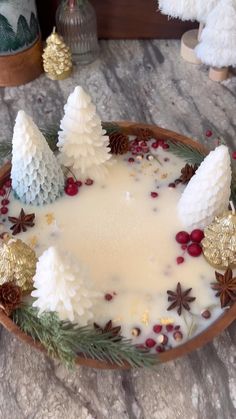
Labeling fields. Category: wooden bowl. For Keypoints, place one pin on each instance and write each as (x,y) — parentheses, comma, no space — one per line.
(206,336)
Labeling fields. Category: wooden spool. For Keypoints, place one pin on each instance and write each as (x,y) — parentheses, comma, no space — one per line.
(189,42)
(218,74)
(22,67)
(191,345)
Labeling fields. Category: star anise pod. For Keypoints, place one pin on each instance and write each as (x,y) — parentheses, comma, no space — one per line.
(22,222)
(119,143)
(188,172)
(180,299)
(225,287)
(10,297)
(108,328)
(144,134)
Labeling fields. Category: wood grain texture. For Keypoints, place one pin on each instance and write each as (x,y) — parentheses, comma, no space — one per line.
(142,81)
(21,68)
(122,19)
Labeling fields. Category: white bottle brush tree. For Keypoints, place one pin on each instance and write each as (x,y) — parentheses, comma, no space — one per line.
(189,10)
(82,142)
(37,178)
(218,40)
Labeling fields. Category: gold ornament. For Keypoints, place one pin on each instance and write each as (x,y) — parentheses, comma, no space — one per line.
(57,60)
(219,244)
(17,264)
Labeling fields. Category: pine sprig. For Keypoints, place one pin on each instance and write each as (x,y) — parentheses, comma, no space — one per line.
(186,152)
(5,149)
(64,340)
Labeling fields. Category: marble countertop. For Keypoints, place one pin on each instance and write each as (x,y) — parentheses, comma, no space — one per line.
(143,81)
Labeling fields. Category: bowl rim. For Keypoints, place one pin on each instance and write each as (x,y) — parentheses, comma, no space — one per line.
(207,335)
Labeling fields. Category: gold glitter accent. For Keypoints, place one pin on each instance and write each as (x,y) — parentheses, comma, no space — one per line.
(166,320)
(117,320)
(17,263)
(164,175)
(145,319)
(219,244)
(50,218)
(132,174)
(33,241)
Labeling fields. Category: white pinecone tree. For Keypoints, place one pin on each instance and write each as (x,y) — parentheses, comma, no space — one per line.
(36,175)
(61,285)
(82,141)
(218,39)
(208,192)
(203,8)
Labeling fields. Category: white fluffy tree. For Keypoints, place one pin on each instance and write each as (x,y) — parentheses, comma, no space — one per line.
(82,141)
(187,9)
(182,9)
(61,285)
(37,177)
(217,46)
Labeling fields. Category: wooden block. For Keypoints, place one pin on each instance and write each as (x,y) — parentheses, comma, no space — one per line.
(189,41)
(218,74)
(22,67)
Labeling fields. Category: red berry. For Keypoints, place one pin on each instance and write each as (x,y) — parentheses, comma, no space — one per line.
(5,202)
(157,328)
(79,183)
(155,145)
(154,194)
(182,237)
(209,133)
(143,143)
(8,183)
(234,155)
(108,297)
(161,143)
(150,343)
(165,146)
(160,349)
(2,192)
(179,260)
(196,236)
(88,182)
(4,210)
(131,160)
(171,185)
(71,189)
(169,327)
(70,180)
(194,250)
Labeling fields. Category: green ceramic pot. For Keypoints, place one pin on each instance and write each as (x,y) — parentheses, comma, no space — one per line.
(19,28)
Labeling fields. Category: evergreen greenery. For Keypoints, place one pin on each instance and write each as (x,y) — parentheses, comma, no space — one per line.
(65,340)
(186,152)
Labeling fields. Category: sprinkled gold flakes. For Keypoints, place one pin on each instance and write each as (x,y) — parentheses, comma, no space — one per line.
(145,319)
(33,241)
(49,218)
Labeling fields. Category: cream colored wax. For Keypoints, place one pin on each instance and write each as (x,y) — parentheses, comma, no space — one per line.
(126,238)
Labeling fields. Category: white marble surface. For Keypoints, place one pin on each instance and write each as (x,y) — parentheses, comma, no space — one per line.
(144,81)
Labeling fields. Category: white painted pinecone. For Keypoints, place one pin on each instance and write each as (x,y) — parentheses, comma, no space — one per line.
(37,177)
(208,192)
